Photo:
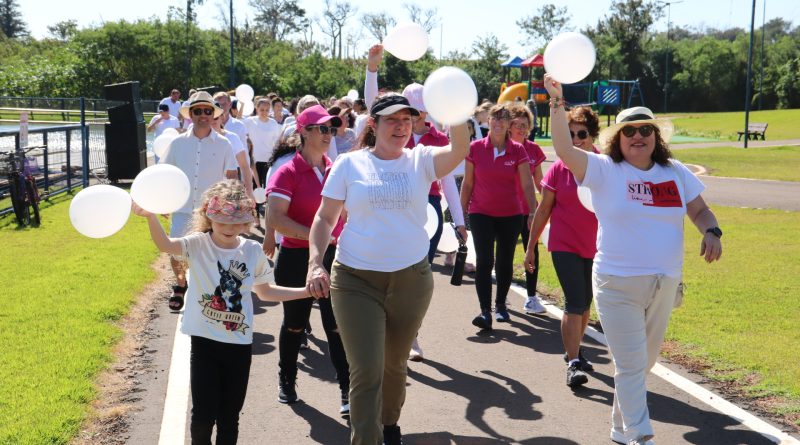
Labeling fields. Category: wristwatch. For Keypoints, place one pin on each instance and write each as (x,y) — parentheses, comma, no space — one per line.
(716,231)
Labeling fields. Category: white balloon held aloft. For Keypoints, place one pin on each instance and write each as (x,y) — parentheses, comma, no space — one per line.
(171,131)
(244,92)
(448,242)
(585,197)
(160,189)
(100,211)
(569,57)
(432,223)
(260,195)
(450,95)
(161,143)
(247,109)
(352,94)
(544,238)
(406,41)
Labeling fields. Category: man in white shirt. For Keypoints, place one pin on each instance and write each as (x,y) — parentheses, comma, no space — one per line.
(229,122)
(206,158)
(173,102)
(162,121)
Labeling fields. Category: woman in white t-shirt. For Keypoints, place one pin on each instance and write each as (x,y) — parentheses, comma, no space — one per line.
(640,197)
(240,153)
(384,188)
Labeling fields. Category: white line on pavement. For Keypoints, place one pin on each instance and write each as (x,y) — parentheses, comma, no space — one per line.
(698,392)
(176,402)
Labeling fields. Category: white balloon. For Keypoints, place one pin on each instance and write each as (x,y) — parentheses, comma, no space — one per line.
(449,95)
(260,195)
(161,143)
(407,41)
(432,223)
(544,238)
(352,94)
(585,197)
(569,57)
(245,93)
(100,210)
(247,109)
(160,189)
(171,130)
(448,242)
(470,249)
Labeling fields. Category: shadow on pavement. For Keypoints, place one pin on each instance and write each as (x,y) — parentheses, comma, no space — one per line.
(444,438)
(261,343)
(482,394)
(322,428)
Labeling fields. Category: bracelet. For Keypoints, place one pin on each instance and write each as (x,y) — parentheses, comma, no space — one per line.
(555,102)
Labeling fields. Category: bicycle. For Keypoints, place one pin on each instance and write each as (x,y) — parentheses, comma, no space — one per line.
(21,187)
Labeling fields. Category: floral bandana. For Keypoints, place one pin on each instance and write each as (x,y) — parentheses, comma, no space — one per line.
(239,211)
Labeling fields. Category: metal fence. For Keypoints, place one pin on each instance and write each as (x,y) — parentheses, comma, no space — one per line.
(69,108)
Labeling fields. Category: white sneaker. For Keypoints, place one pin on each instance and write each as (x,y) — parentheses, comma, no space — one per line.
(416,352)
(533,305)
(618,437)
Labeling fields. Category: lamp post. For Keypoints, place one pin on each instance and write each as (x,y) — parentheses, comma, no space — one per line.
(667,54)
(749,76)
(232,81)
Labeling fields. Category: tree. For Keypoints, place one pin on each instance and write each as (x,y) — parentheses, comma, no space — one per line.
(279,18)
(378,24)
(545,24)
(427,18)
(334,19)
(11,20)
(63,30)
(788,87)
(486,71)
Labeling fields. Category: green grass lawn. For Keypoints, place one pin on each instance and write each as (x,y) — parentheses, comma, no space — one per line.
(723,126)
(63,294)
(741,314)
(779,163)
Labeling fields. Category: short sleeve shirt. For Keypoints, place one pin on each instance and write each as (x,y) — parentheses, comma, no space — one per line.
(264,136)
(433,138)
(573,228)
(496,178)
(173,122)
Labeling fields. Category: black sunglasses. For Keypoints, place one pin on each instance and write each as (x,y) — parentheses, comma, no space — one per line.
(199,111)
(644,130)
(324,129)
(582,134)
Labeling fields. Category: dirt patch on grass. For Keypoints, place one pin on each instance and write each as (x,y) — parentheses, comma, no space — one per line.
(118,386)
(738,389)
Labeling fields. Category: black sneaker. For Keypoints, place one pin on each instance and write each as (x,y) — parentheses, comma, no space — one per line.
(586,365)
(575,375)
(391,435)
(287,392)
(344,410)
(484,320)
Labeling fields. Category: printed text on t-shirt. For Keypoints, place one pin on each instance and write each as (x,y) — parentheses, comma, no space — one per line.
(663,194)
(389,190)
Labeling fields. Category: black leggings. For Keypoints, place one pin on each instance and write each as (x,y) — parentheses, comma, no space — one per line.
(290,270)
(218,378)
(486,230)
(575,275)
(531,279)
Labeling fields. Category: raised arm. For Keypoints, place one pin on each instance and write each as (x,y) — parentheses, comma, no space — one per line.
(164,243)
(447,158)
(575,158)
(374,58)
(318,282)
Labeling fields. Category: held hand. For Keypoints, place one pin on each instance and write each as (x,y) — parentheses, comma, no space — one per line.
(268,246)
(711,247)
(529,259)
(374,57)
(318,283)
(462,230)
(552,86)
(138,211)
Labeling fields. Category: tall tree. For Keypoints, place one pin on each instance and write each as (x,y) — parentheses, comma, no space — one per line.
(279,18)
(334,19)
(63,30)
(427,18)
(486,70)
(378,24)
(542,26)
(11,20)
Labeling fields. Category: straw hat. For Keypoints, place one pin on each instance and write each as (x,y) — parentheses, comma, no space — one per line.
(636,115)
(200,98)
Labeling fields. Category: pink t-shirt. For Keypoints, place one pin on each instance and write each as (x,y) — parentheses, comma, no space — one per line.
(433,138)
(572,227)
(301,185)
(495,179)
(535,158)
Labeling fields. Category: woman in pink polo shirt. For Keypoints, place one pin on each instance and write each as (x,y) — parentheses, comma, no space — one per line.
(521,123)
(572,243)
(496,166)
(294,197)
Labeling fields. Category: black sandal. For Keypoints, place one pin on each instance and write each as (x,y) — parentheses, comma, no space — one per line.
(176,300)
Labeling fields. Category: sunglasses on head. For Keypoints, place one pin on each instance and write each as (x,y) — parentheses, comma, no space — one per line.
(644,130)
(582,134)
(200,111)
(323,129)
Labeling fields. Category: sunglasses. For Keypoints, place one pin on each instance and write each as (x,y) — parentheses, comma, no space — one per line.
(582,134)
(201,111)
(644,130)
(323,129)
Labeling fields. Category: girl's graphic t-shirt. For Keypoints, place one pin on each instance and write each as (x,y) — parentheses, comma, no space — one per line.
(218,302)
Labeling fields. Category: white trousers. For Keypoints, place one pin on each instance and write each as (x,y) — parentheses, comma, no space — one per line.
(634,313)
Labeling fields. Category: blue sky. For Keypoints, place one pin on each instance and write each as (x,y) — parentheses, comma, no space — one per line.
(463,21)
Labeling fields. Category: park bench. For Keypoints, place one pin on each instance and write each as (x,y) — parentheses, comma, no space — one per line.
(754,131)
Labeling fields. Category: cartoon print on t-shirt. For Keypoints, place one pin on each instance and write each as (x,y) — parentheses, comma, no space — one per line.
(663,194)
(389,190)
(225,306)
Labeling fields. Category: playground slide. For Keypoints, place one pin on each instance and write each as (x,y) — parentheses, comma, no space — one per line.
(511,93)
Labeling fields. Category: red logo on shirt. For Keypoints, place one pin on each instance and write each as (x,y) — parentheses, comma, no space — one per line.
(663,194)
